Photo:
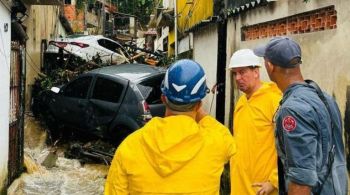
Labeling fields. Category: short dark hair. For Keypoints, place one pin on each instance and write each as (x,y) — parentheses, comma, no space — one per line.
(253,67)
(180,107)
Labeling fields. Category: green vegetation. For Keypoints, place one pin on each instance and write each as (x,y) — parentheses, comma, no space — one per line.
(142,9)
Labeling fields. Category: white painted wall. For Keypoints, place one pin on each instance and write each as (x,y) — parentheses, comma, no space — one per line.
(205,49)
(158,43)
(186,43)
(168,4)
(325,54)
(5,50)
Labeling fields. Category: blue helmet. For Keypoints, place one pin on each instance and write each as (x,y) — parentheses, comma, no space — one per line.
(184,82)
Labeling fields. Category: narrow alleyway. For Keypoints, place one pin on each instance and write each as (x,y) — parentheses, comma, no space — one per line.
(48,172)
(51,173)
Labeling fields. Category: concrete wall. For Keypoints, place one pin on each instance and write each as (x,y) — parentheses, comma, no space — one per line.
(325,53)
(205,49)
(5,49)
(158,43)
(42,23)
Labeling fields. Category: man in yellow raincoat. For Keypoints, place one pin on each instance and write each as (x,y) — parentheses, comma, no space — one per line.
(182,153)
(254,167)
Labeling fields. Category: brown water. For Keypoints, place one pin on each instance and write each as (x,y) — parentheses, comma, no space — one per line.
(66,177)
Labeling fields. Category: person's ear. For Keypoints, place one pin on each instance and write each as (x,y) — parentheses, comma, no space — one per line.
(163,98)
(199,105)
(272,67)
(257,72)
(269,66)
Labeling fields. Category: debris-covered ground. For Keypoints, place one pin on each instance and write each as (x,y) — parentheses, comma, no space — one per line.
(69,167)
(70,163)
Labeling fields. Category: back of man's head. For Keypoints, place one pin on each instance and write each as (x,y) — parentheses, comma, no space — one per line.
(184,85)
(281,51)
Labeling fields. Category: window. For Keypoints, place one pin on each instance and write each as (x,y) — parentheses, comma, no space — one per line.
(107,90)
(107,16)
(154,92)
(165,44)
(90,7)
(78,88)
(108,44)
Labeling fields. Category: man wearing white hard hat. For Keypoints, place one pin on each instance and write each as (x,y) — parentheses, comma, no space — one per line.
(254,167)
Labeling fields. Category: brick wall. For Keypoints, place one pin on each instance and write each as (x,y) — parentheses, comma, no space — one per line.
(75,18)
(69,12)
(312,21)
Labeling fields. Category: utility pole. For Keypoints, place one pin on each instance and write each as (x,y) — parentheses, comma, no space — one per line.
(103,18)
(175,27)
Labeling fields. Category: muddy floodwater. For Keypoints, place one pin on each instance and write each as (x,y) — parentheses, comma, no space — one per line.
(49,172)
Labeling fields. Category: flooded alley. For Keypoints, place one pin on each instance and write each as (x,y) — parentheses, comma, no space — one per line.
(49,172)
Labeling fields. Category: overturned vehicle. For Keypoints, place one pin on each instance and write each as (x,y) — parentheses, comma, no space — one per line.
(86,47)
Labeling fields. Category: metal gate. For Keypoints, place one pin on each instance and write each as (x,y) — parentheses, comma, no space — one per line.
(15,163)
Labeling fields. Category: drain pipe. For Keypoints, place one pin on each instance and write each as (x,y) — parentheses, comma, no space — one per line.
(175,27)
(22,102)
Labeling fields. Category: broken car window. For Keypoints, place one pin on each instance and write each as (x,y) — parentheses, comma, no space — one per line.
(151,88)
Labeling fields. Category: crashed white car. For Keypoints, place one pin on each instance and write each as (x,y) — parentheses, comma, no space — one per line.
(89,47)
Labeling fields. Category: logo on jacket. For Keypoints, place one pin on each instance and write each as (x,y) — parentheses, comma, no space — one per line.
(289,123)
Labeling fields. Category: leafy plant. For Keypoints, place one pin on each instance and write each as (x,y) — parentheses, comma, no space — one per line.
(140,8)
(79,5)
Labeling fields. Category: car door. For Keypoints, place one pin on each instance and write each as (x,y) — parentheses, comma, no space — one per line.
(71,104)
(106,98)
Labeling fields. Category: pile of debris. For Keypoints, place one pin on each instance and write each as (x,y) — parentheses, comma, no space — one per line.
(91,152)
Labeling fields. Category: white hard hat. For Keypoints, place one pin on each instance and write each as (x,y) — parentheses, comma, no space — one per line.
(244,58)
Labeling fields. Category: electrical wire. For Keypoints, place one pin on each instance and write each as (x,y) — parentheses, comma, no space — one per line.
(3,53)
(55,29)
(212,101)
(188,17)
(33,64)
(45,21)
(180,12)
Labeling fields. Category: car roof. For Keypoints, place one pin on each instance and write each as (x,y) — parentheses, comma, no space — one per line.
(85,38)
(131,72)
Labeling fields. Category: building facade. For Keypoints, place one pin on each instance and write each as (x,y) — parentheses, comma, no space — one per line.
(5,42)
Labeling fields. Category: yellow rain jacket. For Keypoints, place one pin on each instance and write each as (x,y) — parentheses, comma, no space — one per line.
(171,155)
(256,157)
